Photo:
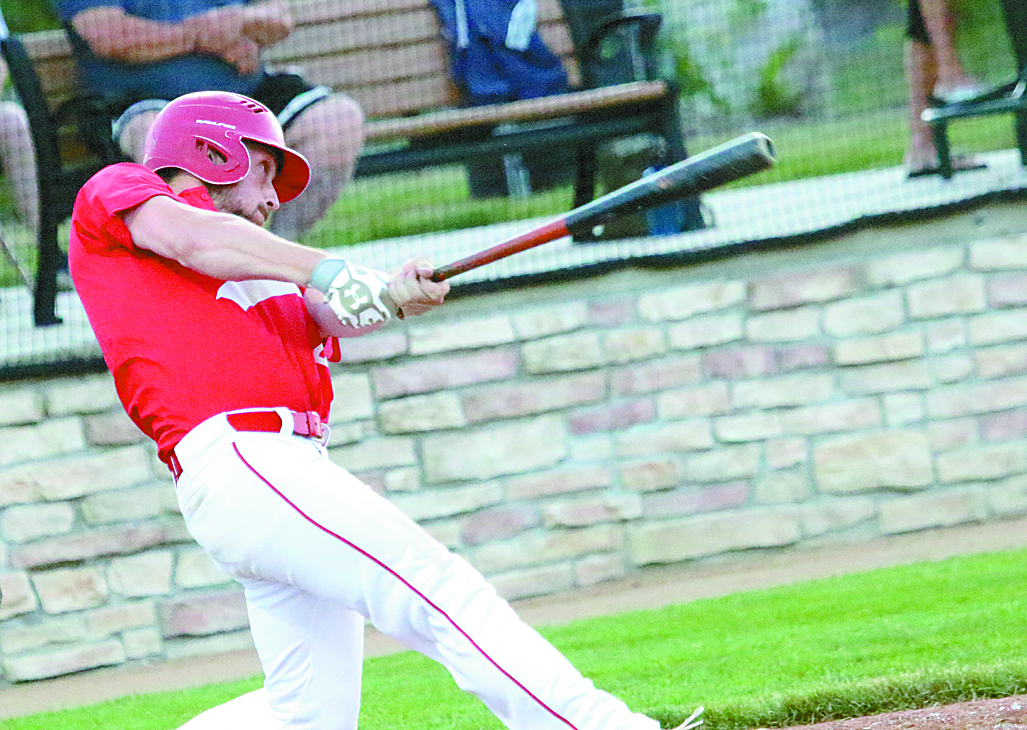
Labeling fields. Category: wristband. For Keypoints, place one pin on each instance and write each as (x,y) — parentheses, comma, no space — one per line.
(325,271)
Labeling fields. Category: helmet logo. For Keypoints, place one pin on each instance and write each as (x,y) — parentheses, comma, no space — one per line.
(215,124)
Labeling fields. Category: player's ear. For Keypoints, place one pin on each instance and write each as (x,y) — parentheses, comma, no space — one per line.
(215,156)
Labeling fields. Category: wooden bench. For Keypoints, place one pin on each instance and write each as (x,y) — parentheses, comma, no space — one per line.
(391,56)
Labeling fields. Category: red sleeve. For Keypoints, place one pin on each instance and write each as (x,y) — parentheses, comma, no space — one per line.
(115,189)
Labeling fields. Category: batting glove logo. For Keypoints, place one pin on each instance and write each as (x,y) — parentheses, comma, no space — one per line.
(356,296)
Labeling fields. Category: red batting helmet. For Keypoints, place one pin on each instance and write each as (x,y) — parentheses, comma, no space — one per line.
(190,126)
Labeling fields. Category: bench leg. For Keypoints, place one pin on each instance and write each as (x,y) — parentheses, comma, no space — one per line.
(1021,136)
(51,260)
(939,130)
(585,181)
(674,138)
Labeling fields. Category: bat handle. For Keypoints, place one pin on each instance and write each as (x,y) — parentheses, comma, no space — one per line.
(535,237)
(444,272)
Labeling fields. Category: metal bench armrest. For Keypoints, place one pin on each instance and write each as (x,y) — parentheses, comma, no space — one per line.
(620,49)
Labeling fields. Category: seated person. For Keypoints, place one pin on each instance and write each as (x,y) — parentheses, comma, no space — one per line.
(142,54)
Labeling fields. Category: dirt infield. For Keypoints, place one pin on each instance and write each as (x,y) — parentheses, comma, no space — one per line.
(645,589)
(1004,714)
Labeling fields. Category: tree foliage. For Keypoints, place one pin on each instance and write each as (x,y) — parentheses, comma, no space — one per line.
(26,16)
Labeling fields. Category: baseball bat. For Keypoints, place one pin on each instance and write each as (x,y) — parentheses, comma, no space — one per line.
(733,160)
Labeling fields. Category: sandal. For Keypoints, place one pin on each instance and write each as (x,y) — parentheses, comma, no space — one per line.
(960,163)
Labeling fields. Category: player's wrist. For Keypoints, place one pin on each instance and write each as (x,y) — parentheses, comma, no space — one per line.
(359,297)
(325,272)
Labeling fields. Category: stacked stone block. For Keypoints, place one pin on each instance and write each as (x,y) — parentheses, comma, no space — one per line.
(563,436)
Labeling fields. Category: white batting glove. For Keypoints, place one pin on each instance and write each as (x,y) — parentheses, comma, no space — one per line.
(358,296)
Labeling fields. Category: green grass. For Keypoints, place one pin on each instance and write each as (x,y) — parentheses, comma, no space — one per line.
(435,199)
(841,647)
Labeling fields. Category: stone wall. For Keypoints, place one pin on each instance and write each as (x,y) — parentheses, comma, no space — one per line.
(563,435)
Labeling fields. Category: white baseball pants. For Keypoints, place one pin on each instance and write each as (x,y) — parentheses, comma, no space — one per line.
(317,552)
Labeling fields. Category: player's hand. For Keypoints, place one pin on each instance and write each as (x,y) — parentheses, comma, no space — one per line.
(412,289)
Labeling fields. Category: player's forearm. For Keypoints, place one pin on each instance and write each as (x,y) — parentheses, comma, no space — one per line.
(262,255)
(327,320)
(112,33)
(220,245)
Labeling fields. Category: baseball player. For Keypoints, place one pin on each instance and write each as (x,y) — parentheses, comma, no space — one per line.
(218,335)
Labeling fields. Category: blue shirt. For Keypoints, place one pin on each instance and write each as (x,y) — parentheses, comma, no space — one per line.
(165,79)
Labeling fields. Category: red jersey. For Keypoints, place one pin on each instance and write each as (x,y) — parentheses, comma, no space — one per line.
(183,346)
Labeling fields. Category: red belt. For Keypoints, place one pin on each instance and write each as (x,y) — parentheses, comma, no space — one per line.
(303,424)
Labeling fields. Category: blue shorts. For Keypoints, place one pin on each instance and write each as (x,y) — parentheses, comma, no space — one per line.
(916,28)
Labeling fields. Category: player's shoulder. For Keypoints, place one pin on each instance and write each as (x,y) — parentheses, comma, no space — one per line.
(117,188)
(127,172)
(121,178)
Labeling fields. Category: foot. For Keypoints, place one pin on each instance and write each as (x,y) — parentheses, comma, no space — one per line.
(957,93)
(922,160)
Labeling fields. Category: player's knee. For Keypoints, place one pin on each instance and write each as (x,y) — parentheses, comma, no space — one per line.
(133,135)
(348,115)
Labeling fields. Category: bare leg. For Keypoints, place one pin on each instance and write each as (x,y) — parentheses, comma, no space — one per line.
(921,77)
(19,162)
(133,136)
(330,135)
(951,75)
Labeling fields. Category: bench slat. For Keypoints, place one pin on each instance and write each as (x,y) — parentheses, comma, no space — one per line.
(349,72)
(46,44)
(376,66)
(349,34)
(309,12)
(403,98)
(548,107)
(365,77)
(359,32)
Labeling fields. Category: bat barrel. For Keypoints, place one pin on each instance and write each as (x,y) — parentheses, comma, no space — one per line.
(742,156)
(733,160)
